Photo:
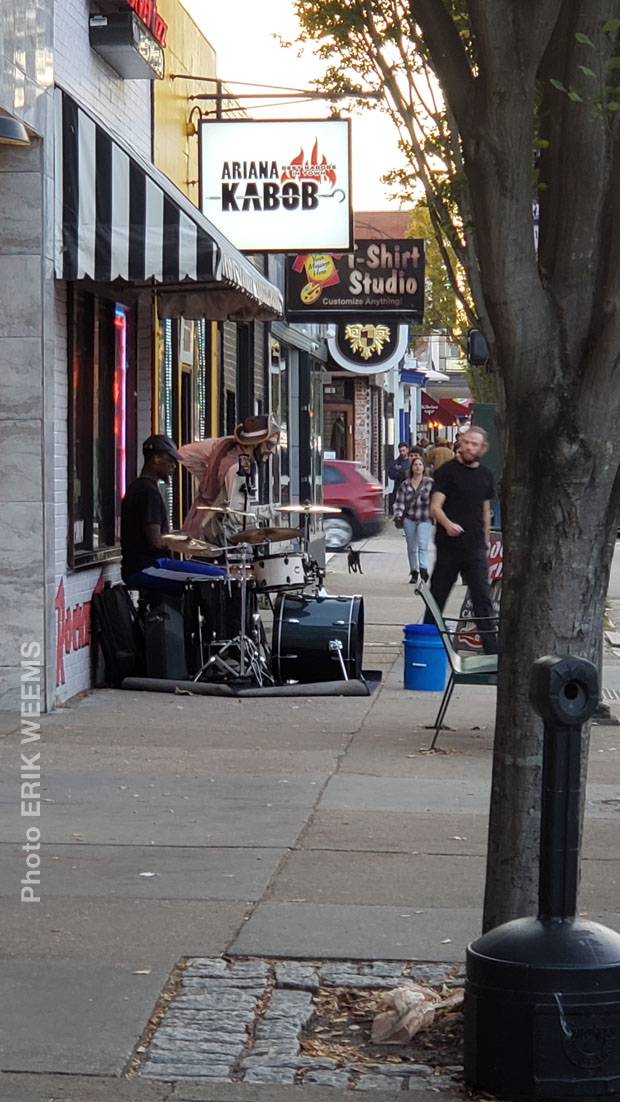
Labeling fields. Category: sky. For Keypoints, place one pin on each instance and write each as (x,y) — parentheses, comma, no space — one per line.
(241,32)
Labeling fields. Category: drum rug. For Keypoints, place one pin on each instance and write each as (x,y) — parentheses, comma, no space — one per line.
(364,686)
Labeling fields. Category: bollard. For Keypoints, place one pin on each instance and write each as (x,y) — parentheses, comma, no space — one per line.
(542,995)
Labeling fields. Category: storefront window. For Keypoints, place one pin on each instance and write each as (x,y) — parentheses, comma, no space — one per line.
(102,423)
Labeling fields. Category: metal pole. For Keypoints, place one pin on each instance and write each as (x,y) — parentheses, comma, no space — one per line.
(559,823)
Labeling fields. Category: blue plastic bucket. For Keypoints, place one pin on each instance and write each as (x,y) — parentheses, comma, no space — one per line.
(426,662)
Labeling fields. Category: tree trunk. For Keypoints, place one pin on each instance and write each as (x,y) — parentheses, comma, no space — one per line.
(559,531)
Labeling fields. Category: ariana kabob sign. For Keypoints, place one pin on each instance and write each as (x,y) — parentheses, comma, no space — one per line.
(278,186)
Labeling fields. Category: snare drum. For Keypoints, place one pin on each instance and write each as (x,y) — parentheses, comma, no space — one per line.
(304,627)
(275,572)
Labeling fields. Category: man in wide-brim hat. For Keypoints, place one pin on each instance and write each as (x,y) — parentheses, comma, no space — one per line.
(218,466)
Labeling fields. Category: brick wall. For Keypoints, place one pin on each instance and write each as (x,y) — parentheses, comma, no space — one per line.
(122,106)
(362,428)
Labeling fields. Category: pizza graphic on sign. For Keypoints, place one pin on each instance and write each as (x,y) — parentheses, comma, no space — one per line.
(320,272)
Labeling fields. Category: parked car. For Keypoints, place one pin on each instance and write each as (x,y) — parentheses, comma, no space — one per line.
(359,495)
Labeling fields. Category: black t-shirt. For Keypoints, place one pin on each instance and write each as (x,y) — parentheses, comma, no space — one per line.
(466,489)
(141,505)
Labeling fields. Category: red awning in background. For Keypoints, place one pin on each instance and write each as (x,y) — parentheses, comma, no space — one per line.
(461,413)
(444,413)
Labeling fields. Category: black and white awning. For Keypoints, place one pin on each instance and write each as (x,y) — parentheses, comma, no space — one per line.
(120,218)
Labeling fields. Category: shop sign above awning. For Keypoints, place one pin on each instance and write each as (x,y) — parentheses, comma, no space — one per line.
(383,278)
(119,218)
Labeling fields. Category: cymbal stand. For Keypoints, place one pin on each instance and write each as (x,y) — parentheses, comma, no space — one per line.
(250,662)
(318,576)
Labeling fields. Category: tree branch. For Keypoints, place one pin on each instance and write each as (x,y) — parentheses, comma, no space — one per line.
(444,46)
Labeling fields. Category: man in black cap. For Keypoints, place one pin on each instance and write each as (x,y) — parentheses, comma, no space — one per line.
(144,520)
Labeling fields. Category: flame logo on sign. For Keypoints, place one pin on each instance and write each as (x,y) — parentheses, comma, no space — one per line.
(302,169)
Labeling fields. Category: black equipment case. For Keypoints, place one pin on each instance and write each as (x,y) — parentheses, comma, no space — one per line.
(117,630)
(164,637)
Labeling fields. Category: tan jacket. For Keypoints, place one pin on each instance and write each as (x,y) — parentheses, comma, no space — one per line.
(436,457)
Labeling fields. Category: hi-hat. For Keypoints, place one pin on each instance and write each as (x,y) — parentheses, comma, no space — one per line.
(265,535)
(180,541)
(308,509)
(226,509)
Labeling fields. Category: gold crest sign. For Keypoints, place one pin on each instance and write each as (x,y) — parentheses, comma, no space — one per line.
(368,340)
(367,346)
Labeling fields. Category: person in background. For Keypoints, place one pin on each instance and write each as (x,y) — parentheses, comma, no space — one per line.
(461,508)
(417,450)
(413,508)
(457,440)
(338,439)
(440,454)
(397,471)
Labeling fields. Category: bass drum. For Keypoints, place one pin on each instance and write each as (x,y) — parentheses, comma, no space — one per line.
(304,627)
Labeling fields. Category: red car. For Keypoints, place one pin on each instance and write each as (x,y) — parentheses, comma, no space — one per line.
(359,495)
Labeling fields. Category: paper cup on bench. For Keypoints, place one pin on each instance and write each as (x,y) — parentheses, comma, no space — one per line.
(426,663)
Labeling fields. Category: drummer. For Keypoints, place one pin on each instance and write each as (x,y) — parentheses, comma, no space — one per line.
(144,522)
(225,467)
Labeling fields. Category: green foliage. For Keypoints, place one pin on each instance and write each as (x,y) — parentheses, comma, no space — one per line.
(481,383)
(440,308)
(597,94)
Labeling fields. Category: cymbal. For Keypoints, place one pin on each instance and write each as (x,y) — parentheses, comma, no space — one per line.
(310,509)
(265,535)
(226,509)
(180,541)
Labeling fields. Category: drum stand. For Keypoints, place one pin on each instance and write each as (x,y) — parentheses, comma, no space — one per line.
(335,647)
(239,658)
(314,577)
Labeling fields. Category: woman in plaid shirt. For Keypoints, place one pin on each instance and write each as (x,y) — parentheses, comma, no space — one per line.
(413,505)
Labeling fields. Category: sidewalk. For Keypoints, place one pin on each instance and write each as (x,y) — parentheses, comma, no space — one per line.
(301,828)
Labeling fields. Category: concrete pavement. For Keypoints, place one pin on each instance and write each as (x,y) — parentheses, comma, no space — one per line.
(174,827)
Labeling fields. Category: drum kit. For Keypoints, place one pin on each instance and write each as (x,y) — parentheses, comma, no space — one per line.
(315,637)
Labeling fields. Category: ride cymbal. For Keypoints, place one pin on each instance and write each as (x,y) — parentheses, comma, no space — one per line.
(227,509)
(265,535)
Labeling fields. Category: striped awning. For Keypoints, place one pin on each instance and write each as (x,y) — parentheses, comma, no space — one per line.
(120,218)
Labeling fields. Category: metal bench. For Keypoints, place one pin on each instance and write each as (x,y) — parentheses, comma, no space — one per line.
(465,669)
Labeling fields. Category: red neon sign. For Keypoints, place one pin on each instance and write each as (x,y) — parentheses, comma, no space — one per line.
(146,10)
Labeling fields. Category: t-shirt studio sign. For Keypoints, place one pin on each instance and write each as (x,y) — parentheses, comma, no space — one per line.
(379,277)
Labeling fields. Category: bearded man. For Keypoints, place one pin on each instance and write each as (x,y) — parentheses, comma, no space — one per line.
(461,509)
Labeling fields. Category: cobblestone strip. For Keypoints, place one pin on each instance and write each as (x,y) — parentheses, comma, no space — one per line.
(243,1021)
(206,1030)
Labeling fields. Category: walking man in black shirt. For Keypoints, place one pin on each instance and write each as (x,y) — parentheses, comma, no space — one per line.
(461,508)
(146,563)
(397,470)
